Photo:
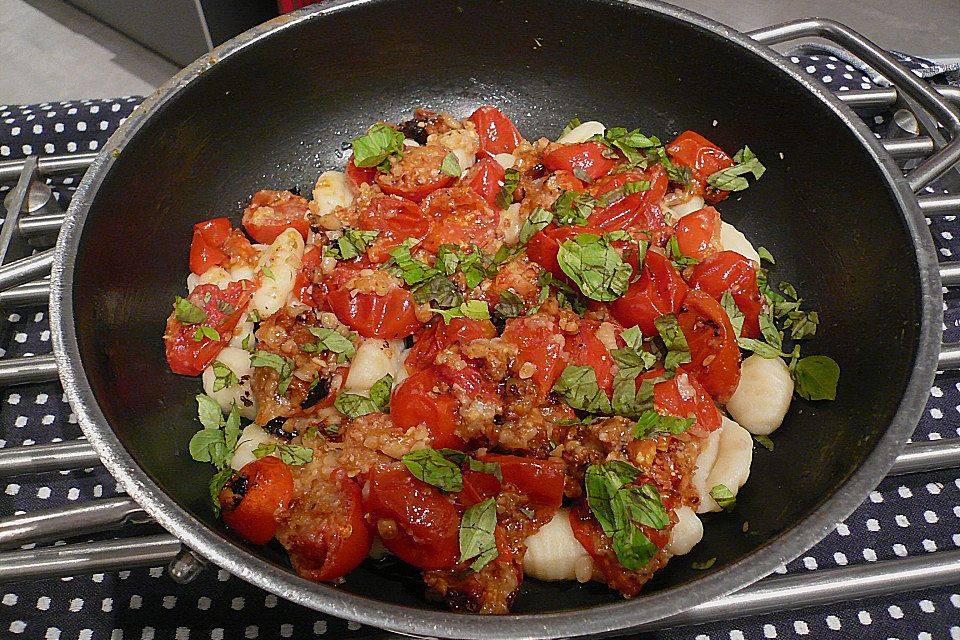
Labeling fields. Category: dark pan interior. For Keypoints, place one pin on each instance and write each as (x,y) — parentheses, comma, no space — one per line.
(280,111)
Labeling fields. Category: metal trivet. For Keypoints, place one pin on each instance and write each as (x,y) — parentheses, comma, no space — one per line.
(923,138)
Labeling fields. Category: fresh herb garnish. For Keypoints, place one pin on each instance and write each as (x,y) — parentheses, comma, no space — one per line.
(292,454)
(354,405)
(283,367)
(217,440)
(573,124)
(652,422)
(633,144)
(187,312)
(330,340)
(724,497)
(511,180)
(678,351)
(224,377)
(626,189)
(536,221)
(703,566)
(451,166)
(679,260)
(204,331)
(432,467)
(573,207)
(816,377)
(375,148)
(765,255)
(578,387)
(510,305)
(731,178)
(476,309)
(765,442)
(477,534)
(595,266)
(352,243)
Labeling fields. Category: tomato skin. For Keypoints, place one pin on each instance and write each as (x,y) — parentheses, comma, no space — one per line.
(397,219)
(586,349)
(704,158)
(190,357)
(544,246)
(360,175)
(422,398)
(302,283)
(730,271)
(586,156)
(340,542)
(269,488)
(206,249)
(714,353)
(488,180)
(477,487)
(669,399)
(540,480)
(427,523)
(496,132)
(459,217)
(539,342)
(372,315)
(640,210)
(437,336)
(659,290)
(271,212)
(698,233)
(417,175)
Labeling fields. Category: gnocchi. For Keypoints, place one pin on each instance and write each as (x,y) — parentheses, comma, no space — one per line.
(763,396)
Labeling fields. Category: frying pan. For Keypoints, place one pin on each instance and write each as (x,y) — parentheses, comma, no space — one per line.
(274,108)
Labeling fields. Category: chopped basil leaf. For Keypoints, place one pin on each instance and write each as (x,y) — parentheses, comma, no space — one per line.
(510,305)
(724,497)
(477,534)
(246,344)
(511,180)
(448,257)
(267,272)
(578,386)
(204,331)
(208,445)
(630,401)
(354,405)
(733,312)
(628,188)
(493,468)
(292,454)
(678,351)
(596,266)
(332,341)
(632,356)
(187,312)
(438,289)
(573,124)
(223,376)
(765,442)
(208,410)
(379,143)
(380,391)
(703,566)
(352,243)
(527,511)
(451,166)
(731,178)
(766,255)
(760,348)
(573,207)
(816,377)
(802,324)
(283,367)
(217,483)
(402,264)
(225,307)
(217,440)
(653,422)
(253,316)
(631,143)
(679,260)
(536,221)
(567,298)
(476,309)
(430,466)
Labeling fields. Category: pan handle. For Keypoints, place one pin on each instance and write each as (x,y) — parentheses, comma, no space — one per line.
(904,79)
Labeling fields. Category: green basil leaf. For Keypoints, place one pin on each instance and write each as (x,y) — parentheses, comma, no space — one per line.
(379,143)
(573,124)
(352,243)
(224,377)
(440,290)
(703,566)
(204,331)
(283,367)
(430,466)
(595,266)
(380,392)
(292,454)
(760,348)
(652,422)
(626,189)
(724,497)
(816,377)
(633,548)
(208,410)
(510,305)
(493,468)
(765,442)
(448,258)
(535,222)
(733,312)
(573,207)
(475,309)
(208,445)
(217,483)
(678,351)
(187,312)
(451,166)
(679,260)
(330,340)
(731,178)
(353,405)
(231,429)
(511,180)
(477,534)
(578,387)
(802,324)
(766,255)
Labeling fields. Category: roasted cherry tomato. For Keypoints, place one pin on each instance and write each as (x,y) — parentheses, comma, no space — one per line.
(437,336)
(714,354)
(303,281)
(730,271)
(540,347)
(271,212)
(640,210)
(586,349)
(360,175)
(188,355)
(567,181)
(659,290)
(487,180)
(251,499)
(690,149)
(424,398)
(684,397)
(698,233)
(460,217)
(206,250)
(477,487)
(416,522)
(540,480)
(590,158)
(337,538)
(397,219)
(417,175)
(392,315)
(497,134)
(544,246)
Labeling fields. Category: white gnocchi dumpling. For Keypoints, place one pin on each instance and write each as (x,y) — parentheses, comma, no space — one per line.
(464,143)
(686,534)
(554,553)
(582,132)
(506,160)
(732,465)
(250,438)
(238,361)
(732,240)
(679,209)
(375,358)
(219,276)
(278,267)
(763,395)
(331,191)
(510,224)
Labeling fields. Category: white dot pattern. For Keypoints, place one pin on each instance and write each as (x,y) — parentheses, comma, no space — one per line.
(912,515)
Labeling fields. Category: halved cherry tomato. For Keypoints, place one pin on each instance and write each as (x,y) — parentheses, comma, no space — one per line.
(540,480)
(540,344)
(640,210)
(206,250)
(586,349)
(338,537)
(270,212)
(469,377)
(588,157)
(303,282)
(251,499)
(659,290)
(223,307)
(714,354)
(437,336)
(698,233)
(496,132)
(424,525)
(417,175)
(424,398)
(567,181)
(544,246)
(684,397)
(690,149)
(360,175)
(730,271)
(488,180)
(477,487)
(459,217)
(397,219)
(392,315)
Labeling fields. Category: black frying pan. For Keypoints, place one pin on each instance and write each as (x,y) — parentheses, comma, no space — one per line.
(273,108)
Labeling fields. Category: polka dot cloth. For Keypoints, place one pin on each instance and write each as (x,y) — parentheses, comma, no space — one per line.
(907,516)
